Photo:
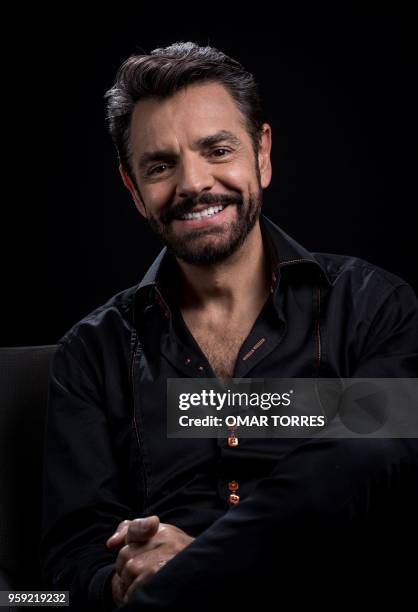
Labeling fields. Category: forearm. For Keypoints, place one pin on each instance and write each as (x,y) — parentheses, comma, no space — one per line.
(83,573)
(83,499)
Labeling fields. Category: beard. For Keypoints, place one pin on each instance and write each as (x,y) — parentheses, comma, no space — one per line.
(209,245)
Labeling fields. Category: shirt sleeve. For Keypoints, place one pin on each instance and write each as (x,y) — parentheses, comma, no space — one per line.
(82,500)
(391,346)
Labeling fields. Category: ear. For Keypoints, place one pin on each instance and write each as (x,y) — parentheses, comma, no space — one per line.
(129,184)
(264,161)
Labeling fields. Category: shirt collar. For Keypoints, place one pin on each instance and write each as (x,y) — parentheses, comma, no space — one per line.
(286,256)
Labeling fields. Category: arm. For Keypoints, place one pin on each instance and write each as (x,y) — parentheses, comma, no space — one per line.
(82,497)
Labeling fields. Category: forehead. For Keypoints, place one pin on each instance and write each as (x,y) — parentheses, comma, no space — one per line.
(193,112)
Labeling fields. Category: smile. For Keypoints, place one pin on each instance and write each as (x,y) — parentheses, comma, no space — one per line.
(203,214)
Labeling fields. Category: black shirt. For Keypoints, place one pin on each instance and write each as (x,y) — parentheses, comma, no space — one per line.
(108,457)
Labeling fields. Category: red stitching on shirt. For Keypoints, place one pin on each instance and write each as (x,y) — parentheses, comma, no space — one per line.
(289,261)
(253,350)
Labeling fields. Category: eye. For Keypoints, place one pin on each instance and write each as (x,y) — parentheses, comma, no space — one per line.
(222,152)
(157,169)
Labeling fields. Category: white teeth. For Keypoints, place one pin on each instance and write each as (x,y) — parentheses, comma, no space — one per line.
(207,212)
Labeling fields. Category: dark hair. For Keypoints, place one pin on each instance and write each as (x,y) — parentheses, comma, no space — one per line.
(166,70)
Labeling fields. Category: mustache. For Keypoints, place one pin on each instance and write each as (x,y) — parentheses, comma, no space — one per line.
(186,205)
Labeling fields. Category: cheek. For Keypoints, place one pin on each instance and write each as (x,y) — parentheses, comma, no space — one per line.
(238,178)
(157,196)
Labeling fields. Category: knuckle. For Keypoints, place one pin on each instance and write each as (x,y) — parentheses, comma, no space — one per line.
(131,568)
(125,553)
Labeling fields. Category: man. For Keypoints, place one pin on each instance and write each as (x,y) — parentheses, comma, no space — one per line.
(133,517)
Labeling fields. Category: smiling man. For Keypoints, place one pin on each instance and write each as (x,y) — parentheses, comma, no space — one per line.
(195,176)
(133,517)
(200,193)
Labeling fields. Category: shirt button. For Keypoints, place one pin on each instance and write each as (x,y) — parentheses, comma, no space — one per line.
(232,441)
(233,498)
(233,486)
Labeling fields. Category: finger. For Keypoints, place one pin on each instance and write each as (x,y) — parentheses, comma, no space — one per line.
(135,584)
(141,530)
(134,569)
(140,547)
(129,572)
(126,554)
(140,565)
(118,590)
(118,538)
(146,574)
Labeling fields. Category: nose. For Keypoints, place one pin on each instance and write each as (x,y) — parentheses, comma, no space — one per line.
(194,176)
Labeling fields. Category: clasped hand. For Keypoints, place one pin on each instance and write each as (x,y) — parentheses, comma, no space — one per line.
(144,545)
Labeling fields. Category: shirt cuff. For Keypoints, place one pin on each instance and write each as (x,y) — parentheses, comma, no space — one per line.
(100,589)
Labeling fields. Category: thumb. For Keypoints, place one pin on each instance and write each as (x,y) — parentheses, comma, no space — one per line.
(141,530)
(118,538)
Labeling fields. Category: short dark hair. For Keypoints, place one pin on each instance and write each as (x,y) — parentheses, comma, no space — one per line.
(165,71)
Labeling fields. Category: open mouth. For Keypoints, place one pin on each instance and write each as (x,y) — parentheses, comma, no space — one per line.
(205,213)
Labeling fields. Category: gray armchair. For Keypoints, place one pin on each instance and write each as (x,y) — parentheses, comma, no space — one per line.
(24,373)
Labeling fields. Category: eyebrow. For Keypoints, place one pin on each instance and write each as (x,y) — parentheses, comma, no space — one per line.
(203,143)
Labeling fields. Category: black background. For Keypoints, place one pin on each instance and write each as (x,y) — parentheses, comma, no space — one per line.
(339,91)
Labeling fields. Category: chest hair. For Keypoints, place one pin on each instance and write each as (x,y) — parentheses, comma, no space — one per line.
(221,348)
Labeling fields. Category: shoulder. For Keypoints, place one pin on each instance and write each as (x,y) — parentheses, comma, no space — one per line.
(96,348)
(366,291)
(106,323)
(343,269)
(377,313)
(358,277)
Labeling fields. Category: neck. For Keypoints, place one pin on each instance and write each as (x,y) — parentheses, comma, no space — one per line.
(230,288)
